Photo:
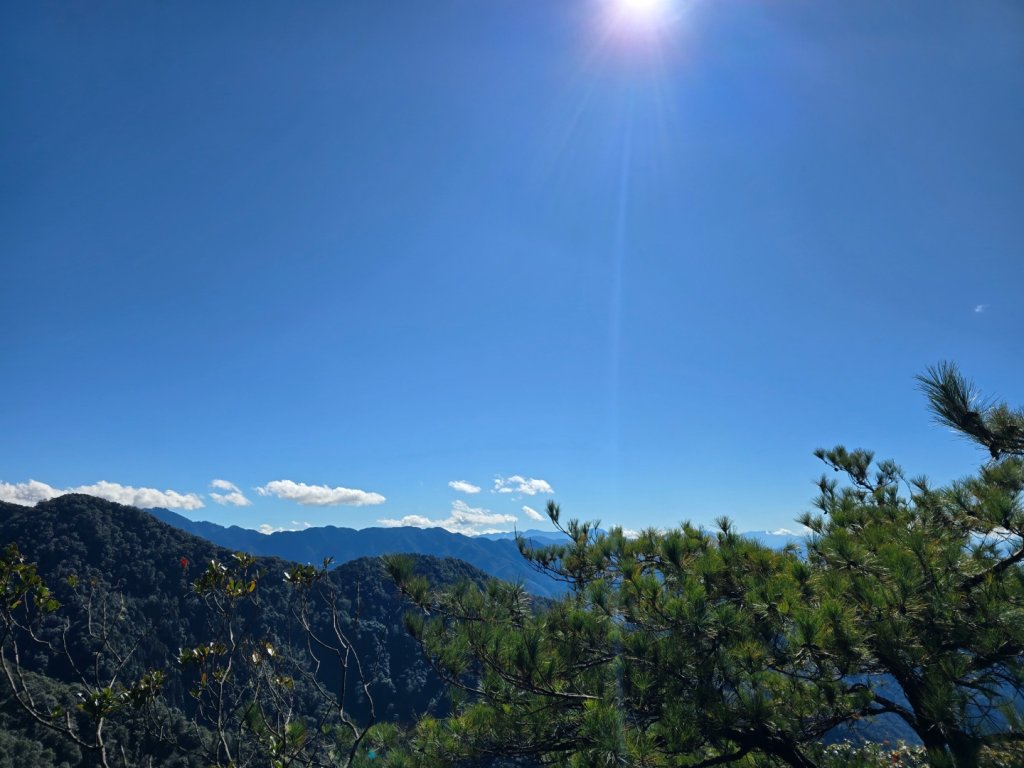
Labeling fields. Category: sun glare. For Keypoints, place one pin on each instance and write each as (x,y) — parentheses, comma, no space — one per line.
(642,8)
(644,17)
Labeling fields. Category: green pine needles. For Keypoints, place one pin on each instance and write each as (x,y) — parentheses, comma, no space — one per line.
(699,648)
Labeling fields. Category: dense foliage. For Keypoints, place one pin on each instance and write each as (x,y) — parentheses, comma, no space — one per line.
(697,648)
(207,634)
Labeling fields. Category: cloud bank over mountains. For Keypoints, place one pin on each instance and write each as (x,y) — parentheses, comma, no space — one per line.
(297,525)
(471,521)
(34,491)
(462,518)
(225,493)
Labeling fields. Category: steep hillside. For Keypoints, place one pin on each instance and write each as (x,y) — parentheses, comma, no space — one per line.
(112,550)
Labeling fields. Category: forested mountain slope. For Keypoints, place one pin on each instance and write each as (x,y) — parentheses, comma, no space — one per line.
(126,557)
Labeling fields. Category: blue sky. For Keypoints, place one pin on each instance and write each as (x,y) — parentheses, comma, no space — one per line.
(339,256)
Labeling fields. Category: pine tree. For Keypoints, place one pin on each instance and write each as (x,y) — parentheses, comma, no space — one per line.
(685,648)
(933,577)
(697,648)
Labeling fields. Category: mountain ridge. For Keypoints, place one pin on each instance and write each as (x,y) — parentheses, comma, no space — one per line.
(500,558)
(130,554)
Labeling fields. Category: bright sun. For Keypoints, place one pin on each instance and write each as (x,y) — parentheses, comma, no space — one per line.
(643,10)
(641,7)
(642,13)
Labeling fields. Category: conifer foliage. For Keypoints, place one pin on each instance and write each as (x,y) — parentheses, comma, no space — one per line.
(678,648)
(933,578)
(697,648)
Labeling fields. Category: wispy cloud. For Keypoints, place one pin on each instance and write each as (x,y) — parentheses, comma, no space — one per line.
(234,495)
(528,486)
(267,528)
(471,521)
(979,308)
(533,514)
(34,491)
(413,521)
(463,487)
(319,495)
(465,514)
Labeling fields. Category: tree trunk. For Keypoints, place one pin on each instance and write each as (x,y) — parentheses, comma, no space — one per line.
(790,754)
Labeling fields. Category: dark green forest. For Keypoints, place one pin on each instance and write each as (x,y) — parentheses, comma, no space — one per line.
(126,585)
(896,637)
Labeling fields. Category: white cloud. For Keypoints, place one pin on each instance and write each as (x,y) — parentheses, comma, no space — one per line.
(630,533)
(27,493)
(234,497)
(33,491)
(140,497)
(414,521)
(319,495)
(471,521)
(463,513)
(979,308)
(519,484)
(463,487)
(804,531)
(533,514)
(267,529)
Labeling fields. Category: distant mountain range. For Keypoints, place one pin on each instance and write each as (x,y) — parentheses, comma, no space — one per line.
(778,540)
(536,536)
(498,557)
(493,553)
